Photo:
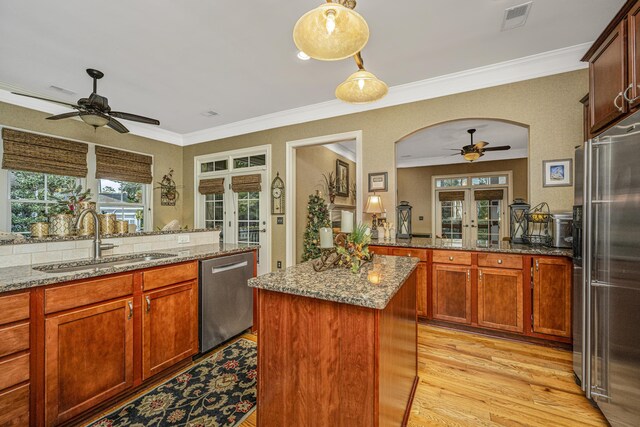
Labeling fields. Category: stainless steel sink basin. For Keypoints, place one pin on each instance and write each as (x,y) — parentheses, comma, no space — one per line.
(106,262)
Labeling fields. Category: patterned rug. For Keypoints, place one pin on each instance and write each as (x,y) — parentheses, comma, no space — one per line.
(219,391)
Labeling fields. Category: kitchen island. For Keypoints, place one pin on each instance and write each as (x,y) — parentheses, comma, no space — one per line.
(336,348)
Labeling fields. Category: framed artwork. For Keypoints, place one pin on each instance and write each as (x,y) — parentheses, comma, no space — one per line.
(557,173)
(342,178)
(378,181)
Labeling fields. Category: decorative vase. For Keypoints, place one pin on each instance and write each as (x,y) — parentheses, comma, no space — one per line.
(39,229)
(122,227)
(60,225)
(107,224)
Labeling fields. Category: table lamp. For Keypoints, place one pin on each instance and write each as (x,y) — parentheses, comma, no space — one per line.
(374,207)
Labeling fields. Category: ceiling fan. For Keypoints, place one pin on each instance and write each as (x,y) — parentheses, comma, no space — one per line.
(473,151)
(95,110)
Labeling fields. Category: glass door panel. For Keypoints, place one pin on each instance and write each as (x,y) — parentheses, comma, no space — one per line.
(248,225)
(451,218)
(488,214)
(214,213)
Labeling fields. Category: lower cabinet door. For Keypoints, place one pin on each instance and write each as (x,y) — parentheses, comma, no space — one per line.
(452,293)
(421,289)
(500,301)
(552,293)
(88,358)
(169,327)
(14,407)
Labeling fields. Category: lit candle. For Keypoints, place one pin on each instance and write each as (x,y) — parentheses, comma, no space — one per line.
(326,238)
(346,222)
(374,277)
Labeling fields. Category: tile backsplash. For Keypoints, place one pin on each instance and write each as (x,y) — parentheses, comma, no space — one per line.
(50,252)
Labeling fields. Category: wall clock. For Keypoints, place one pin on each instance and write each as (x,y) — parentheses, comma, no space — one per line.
(277,196)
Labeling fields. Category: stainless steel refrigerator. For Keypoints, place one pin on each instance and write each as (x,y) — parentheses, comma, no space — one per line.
(610,336)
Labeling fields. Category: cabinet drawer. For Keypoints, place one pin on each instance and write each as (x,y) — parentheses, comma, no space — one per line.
(85,293)
(14,371)
(14,339)
(418,253)
(452,257)
(159,277)
(500,261)
(14,308)
(14,407)
(380,250)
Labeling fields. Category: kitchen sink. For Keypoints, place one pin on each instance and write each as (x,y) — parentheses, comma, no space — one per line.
(106,262)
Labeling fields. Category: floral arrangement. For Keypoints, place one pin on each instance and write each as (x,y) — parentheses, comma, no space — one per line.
(354,250)
(330,186)
(68,200)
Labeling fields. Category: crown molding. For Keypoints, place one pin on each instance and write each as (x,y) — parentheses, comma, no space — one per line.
(149,131)
(341,151)
(526,68)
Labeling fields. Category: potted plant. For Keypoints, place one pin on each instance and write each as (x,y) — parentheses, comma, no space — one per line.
(355,248)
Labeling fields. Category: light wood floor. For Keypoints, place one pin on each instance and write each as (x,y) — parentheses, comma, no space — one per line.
(473,380)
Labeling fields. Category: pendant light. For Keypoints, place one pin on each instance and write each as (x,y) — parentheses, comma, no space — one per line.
(362,86)
(331,31)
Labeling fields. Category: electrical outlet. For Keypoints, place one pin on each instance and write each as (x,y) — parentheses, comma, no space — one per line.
(280,220)
(279,264)
(420,218)
(183,238)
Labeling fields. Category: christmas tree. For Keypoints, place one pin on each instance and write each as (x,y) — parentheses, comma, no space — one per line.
(317,217)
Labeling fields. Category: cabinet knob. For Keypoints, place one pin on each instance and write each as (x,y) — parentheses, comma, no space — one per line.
(450,258)
(499,261)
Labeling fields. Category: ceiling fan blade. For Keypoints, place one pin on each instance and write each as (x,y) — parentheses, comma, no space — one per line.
(480,144)
(116,125)
(64,115)
(501,148)
(134,117)
(46,99)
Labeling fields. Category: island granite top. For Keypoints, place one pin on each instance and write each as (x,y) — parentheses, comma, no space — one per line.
(340,285)
(503,247)
(24,276)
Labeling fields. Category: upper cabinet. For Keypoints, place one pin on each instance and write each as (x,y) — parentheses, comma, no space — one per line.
(614,74)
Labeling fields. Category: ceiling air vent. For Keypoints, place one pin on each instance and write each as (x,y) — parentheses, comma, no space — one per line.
(62,90)
(209,113)
(516,16)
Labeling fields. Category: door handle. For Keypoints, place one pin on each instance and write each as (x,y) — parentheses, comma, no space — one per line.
(228,267)
(130,304)
(148,303)
(264,230)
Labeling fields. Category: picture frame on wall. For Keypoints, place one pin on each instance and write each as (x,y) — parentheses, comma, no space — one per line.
(342,178)
(557,173)
(378,181)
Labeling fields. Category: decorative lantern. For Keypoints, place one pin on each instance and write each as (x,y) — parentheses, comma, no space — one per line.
(519,223)
(404,220)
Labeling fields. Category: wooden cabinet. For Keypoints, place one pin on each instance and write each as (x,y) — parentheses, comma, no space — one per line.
(500,299)
(633,55)
(169,327)
(451,293)
(15,359)
(379,250)
(88,358)
(552,296)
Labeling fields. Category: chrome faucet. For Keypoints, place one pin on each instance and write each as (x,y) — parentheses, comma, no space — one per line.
(98,246)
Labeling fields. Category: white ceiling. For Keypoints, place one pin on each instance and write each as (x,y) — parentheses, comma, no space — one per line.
(173,60)
(435,145)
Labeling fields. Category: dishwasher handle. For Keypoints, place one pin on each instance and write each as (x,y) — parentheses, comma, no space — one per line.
(216,270)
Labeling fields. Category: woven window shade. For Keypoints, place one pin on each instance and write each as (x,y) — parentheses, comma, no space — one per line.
(123,165)
(448,196)
(488,194)
(30,152)
(246,183)
(211,186)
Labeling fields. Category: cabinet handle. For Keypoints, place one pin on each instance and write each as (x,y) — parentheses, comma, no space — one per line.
(537,265)
(626,97)
(469,274)
(499,261)
(480,275)
(450,258)
(130,303)
(615,102)
(148,303)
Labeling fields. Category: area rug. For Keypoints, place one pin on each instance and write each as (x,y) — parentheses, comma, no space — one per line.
(219,391)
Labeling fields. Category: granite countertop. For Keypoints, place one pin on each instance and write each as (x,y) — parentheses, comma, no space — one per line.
(503,247)
(24,276)
(340,285)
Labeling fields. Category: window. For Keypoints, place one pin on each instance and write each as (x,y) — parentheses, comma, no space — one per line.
(249,161)
(220,165)
(452,216)
(31,196)
(248,217)
(488,214)
(125,199)
(489,180)
(214,211)
(451,182)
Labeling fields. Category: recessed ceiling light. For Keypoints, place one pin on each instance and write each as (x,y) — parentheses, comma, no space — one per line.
(303,56)
(209,113)
(62,90)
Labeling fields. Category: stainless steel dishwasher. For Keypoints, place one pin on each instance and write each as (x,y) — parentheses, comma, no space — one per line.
(226,301)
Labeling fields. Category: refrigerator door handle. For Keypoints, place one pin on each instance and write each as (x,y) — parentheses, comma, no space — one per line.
(599,375)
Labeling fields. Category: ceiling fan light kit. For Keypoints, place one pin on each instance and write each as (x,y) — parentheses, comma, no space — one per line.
(473,151)
(331,32)
(335,31)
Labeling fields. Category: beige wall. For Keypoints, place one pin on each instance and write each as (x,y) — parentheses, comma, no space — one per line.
(311,163)
(165,156)
(414,185)
(548,105)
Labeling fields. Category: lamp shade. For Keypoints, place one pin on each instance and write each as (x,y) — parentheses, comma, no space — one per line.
(374,205)
(361,87)
(94,119)
(331,32)
(471,156)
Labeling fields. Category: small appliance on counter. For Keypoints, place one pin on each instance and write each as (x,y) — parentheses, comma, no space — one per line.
(562,229)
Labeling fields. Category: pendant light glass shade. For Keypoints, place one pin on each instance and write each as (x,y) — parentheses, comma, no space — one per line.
(331,32)
(361,87)
(94,120)
(471,156)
